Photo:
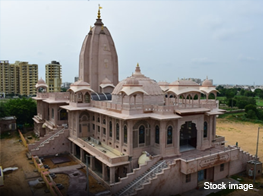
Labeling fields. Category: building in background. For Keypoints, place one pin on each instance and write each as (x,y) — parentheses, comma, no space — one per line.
(53,76)
(18,78)
(76,79)
(66,85)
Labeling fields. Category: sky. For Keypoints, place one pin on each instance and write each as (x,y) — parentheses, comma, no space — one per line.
(221,40)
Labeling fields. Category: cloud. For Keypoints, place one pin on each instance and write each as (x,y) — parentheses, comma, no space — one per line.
(202,61)
(211,22)
(225,33)
(246,58)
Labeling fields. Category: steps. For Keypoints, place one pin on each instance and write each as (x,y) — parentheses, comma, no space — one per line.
(48,139)
(143,179)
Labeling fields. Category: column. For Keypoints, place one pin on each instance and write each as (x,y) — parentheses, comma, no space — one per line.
(73,149)
(104,172)
(112,175)
(130,137)
(162,137)
(82,158)
(92,163)
(121,129)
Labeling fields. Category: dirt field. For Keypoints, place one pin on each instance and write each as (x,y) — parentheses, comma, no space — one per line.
(244,133)
(13,154)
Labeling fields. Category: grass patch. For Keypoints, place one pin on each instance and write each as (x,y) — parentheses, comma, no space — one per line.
(259,102)
(239,117)
(9,134)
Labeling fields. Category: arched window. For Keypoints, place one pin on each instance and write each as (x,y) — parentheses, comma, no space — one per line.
(141,134)
(104,121)
(63,115)
(117,131)
(170,135)
(125,135)
(157,135)
(110,127)
(87,98)
(98,119)
(205,129)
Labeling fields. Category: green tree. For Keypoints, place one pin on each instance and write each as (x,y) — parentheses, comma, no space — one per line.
(251,114)
(250,107)
(24,109)
(242,101)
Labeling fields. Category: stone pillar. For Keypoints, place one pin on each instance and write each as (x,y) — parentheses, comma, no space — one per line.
(92,163)
(162,137)
(82,158)
(104,172)
(73,149)
(112,175)
(121,133)
(130,137)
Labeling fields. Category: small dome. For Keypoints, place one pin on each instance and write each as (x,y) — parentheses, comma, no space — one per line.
(184,83)
(137,78)
(132,81)
(207,83)
(106,81)
(41,81)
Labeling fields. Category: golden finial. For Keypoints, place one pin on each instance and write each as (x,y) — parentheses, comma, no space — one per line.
(102,27)
(99,11)
(137,64)
(91,28)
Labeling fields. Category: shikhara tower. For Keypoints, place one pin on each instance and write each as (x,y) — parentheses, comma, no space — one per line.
(98,60)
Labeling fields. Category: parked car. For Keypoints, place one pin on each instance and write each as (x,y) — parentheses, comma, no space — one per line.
(60,186)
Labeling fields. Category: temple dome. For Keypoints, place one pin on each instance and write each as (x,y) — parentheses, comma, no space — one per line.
(137,78)
(80,86)
(41,83)
(207,83)
(106,81)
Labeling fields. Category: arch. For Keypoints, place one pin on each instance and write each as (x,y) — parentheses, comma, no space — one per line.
(87,97)
(63,115)
(98,120)
(157,134)
(139,123)
(117,131)
(188,136)
(169,139)
(141,134)
(212,95)
(104,121)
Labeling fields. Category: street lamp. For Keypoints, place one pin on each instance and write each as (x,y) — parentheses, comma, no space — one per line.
(256,157)
(87,164)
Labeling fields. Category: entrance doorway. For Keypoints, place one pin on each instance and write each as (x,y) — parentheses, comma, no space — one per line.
(188,136)
(201,175)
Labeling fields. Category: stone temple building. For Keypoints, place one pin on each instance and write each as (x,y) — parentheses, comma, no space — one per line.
(143,137)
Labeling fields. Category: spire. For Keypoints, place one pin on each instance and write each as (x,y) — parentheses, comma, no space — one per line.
(98,21)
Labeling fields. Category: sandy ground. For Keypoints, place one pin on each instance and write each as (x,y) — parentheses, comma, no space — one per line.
(13,154)
(244,133)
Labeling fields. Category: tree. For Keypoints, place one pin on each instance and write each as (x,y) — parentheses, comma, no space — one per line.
(242,101)
(24,109)
(250,107)
(251,114)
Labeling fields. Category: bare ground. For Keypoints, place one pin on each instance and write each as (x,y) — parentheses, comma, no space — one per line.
(244,133)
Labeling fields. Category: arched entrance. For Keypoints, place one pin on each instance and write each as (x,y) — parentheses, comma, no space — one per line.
(188,136)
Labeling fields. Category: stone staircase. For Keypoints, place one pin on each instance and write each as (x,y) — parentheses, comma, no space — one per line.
(139,182)
(46,140)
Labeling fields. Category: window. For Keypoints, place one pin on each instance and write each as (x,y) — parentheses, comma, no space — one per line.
(87,98)
(98,119)
(141,134)
(104,131)
(80,128)
(98,129)
(110,127)
(104,121)
(125,135)
(52,113)
(157,135)
(169,135)
(93,127)
(117,132)
(188,178)
(63,115)
(205,129)
(222,167)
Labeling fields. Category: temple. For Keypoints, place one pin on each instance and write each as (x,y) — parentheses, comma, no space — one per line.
(144,137)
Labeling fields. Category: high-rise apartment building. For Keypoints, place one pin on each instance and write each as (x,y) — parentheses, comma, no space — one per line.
(53,76)
(18,78)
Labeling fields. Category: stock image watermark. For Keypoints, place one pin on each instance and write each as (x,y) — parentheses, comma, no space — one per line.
(210,185)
